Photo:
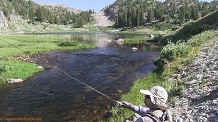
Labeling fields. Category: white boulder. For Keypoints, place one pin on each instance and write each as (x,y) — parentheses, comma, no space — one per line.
(12,80)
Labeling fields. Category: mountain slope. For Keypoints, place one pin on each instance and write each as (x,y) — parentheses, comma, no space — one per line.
(132,13)
(209,22)
(16,13)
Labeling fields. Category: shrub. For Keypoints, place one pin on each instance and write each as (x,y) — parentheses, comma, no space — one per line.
(201,38)
(67,43)
(134,40)
(178,88)
(2,58)
(172,52)
(162,26)
(2,70)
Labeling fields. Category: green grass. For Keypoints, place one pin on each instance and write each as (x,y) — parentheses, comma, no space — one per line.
(17,69)
(135,40)
(141,30)
(11,45)
(19,45)
(163,26)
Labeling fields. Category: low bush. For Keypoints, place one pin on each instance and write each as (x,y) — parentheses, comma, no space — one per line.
(180,49)
(172,52)
(2,70)
(2,67)
(67,43)
(162,26)
(135,40)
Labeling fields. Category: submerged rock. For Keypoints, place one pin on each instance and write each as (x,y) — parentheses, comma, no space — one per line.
(134,49)
(151,36)
(120,41)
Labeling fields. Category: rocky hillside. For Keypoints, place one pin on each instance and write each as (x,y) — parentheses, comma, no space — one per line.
(199,102)
(60,8)
(102,19)
(3,21)
(19,15)
(17,24)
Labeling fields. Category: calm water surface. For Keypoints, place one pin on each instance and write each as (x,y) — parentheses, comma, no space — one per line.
(54,97)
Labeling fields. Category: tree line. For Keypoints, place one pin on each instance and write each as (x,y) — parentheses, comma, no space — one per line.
(141,12)
(34,12)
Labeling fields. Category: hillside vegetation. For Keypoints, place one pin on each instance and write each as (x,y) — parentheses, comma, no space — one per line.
(30,12)
(129,13)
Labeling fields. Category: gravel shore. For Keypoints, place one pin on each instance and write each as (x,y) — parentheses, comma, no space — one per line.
(199,101)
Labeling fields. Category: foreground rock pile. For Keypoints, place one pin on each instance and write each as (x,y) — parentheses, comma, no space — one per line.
(199,101)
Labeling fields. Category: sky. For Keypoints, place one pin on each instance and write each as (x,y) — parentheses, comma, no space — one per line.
(95,5)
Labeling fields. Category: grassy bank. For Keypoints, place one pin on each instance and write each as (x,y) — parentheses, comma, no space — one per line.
(13,47)
(135,40)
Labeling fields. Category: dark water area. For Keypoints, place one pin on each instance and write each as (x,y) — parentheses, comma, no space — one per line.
(55,97)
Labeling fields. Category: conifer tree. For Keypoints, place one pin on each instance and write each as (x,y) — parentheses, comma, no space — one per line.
(150,17)
(181,15)
(195,13)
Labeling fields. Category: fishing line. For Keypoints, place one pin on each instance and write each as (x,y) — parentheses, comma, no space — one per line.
(70,76)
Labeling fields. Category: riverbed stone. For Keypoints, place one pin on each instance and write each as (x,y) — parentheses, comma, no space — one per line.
(12,80)
(40,67)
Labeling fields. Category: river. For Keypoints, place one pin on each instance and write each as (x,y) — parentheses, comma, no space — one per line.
(55,97)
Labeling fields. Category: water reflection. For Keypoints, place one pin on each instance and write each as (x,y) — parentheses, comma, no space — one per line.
(98,39)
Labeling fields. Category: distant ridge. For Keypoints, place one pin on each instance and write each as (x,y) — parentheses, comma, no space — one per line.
(61,6)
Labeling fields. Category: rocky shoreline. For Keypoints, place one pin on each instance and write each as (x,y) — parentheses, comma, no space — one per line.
(199,101)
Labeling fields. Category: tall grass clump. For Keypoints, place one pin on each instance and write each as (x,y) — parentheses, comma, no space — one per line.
(135,40)
(67,43)
(162,26)
(2,70)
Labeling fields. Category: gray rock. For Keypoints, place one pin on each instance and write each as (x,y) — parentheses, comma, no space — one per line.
(201,80)
(15,80)
(40,67)
(179,120)
(192,82)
